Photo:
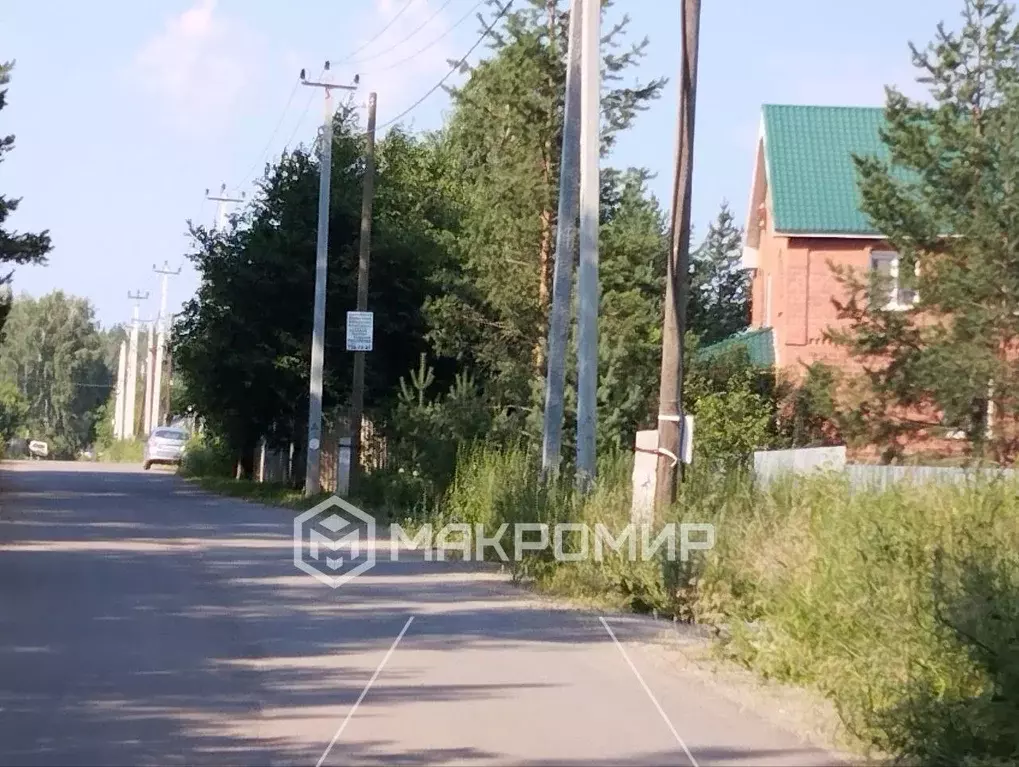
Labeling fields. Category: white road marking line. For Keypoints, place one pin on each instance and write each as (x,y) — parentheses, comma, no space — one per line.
(364,692)
(650,694)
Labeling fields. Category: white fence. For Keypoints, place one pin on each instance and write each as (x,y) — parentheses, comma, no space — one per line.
(771,464)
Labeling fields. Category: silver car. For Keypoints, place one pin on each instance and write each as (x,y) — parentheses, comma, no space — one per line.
(164,445)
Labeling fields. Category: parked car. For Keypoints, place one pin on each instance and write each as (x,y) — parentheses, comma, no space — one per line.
(165,445)
(38,449)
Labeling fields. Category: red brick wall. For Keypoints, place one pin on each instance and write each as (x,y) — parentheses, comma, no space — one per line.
(802,287)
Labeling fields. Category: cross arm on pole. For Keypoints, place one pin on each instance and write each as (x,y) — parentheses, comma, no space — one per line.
(328,86)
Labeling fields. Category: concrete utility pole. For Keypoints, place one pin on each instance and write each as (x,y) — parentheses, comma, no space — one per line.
(169,378)
(670,396)
(312,485)
(150,374)
(223,200)
(363,264)
(565,254)
(118,415)
(131,390)
(164,272)
(587,279)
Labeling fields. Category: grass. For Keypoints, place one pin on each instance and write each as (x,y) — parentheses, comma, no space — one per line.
(268,493)
(122,451)
(286,496)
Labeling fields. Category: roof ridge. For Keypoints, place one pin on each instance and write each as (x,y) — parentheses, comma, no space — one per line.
(821,106)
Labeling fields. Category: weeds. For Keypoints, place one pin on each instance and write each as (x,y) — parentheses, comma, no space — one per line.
(122,451)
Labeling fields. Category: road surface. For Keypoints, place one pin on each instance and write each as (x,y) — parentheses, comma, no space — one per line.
(145,623)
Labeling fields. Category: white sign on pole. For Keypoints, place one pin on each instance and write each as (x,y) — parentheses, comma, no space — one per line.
(360,331)
(686,449)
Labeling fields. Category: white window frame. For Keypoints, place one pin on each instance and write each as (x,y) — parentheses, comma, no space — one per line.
(895,292)
(767,301)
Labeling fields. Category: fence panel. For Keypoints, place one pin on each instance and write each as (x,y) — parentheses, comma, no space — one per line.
(865,477)
(771,464)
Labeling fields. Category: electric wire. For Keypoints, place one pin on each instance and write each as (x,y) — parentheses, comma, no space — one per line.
(400,42)
(378,34)
(279,124)
(430,45)
(455,68)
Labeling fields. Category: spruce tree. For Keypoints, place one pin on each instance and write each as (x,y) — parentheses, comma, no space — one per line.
(719,287)
(502,145)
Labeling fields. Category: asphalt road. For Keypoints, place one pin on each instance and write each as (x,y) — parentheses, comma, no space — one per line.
(145,623)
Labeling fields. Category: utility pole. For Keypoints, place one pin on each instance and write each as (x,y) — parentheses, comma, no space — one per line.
(312,485)
(118,415)
(164,273)
(565,254)
(670,396)
(150,369)
(222,199)
(363,264)
(169,378)
(587,277)
(131,390)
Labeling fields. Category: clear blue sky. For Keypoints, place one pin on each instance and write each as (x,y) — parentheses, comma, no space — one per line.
(126,111)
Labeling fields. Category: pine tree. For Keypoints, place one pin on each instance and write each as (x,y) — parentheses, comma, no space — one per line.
(15,248)
(947,200)
(502,146)
(719,287)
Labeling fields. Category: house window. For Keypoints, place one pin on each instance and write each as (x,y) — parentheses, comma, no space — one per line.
(892,281)
(767,301)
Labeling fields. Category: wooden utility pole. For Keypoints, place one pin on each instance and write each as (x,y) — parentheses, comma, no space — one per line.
(169,373)
(670,396)
(363,264)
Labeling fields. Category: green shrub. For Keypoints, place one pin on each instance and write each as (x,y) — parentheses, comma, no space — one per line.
(396,494)
(207,456)
(900,606)
(122,451)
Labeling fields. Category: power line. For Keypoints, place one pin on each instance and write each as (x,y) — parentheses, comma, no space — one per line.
(417,29)
(304,113)
(379,34)
(455,68)
(430,45)
(279,124)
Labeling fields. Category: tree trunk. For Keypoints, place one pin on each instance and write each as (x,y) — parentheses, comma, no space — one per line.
(545,256)
(245,467)
(545,251)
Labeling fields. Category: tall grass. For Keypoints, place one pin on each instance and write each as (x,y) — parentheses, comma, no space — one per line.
(902,606)
(122,451)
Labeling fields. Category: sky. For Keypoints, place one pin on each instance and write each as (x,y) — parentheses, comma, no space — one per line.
(126,112)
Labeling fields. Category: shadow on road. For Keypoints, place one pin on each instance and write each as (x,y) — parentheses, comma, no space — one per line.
(143,622)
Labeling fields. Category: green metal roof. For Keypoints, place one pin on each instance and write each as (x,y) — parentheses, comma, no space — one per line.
(760,346)
(811,173)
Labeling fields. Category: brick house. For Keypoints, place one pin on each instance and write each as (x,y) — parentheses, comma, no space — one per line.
(804,213)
